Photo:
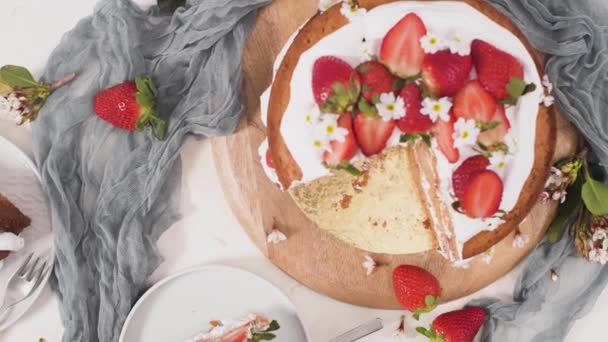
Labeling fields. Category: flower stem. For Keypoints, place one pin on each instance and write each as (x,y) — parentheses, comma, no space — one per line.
(58,84)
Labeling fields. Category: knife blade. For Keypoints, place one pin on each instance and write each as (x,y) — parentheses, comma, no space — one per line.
(360,331)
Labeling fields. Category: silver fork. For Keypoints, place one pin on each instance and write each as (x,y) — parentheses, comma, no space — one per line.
(24,282)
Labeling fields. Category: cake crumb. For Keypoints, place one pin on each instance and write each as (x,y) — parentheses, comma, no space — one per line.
(345,202)
(360,182)
(427,224)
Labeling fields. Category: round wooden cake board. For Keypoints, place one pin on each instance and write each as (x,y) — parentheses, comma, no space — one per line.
(310,255)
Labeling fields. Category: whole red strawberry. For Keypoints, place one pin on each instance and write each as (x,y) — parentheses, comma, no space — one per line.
(417,290)
(445,73)
(414,121)
(376,80)
(335,84)
(456,326)
(130,106)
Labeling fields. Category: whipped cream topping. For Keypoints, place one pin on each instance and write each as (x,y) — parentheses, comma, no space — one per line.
(445,19)
(11,242)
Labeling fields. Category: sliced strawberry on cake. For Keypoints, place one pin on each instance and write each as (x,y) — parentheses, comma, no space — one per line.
(500,73)
(341,151)
(335,84)
(416,289)
(414,122)
(401,50)
(444,133)
(376,80)
(445,73)
(498,127)
(482,195)
(252,328)
(456,326)
(467,171)
(474,102)
(372,132)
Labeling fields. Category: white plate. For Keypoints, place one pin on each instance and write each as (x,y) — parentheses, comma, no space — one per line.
(20,183)
(182,305)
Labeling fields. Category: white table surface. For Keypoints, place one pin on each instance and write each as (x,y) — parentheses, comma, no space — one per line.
(209,232)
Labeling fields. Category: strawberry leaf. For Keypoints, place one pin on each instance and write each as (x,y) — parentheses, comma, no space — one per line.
(376,99)
(484,127)
(18,77)
(426,139)
(350,168)
(366,108)
(273,326)
(406,137)
(517,88)
(398,84)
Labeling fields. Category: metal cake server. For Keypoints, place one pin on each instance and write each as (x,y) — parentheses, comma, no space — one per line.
(360,331)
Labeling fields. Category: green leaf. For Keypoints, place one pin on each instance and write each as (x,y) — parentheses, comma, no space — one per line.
(366,108)
(488,126)
(429,300)
(416,315)
(398,84)
(350,168)
(159,128)
(263,336)
(406,137)
(426,93)
(338,88)
(376,99)
(516,89)
(169,6)
(412,79)
(425,332)
(595,196)
(18,77)
(273,326)
(426,139)
(566,213)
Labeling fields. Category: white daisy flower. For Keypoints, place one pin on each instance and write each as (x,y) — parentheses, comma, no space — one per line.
(431,43)
(547,100)
(437,109)
(320,143)
(465,133)
(391,107)
(511,143)
(324,5)
(489,255)
(499,161)
(369,264)
(459,46)
(275,237)
(328,126)
(547,84)
(520,240)
(312,117)
(351,11)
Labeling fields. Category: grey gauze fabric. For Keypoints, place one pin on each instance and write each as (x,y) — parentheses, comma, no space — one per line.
(112,192)
(574,35)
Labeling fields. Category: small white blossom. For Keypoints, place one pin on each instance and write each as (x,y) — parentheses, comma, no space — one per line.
(465,132)
(324,5)
(600,234)
(320,143)
(313,116)
(520,240)
(391,107)
(511,143)
(556,178)
(489,255)
(599,255)
(11,108)
(275,237)
(499,161)
(547,100)
(369,265)
(437,109)
(559,196)
(547,84)
(459,46)
(351,11)
(431,43)
(545,197)
(328,126)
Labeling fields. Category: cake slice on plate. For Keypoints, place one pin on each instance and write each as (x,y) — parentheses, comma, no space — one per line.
(12,223)
(253,328)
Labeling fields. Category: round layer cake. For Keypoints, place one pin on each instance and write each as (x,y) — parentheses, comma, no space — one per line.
(405,126)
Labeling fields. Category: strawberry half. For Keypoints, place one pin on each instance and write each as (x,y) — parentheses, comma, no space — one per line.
(497,134)
(466,171)
(372,132)
(444,133)
(495,68)
(482,196)
(342,151)
(376,80)
(401,50)
(335,85)
(417,290)
(445,73)
(413,121)
(456,326)
(130,106)
(238,336)
(474,102)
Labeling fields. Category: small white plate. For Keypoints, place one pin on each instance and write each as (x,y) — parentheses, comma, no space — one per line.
(20,183)
(182,305)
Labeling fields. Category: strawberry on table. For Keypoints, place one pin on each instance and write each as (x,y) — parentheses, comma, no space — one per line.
(130,106)
(416,289)
(497,134)
(456,326)
(342,151)
(500,73)
(414,122)
(467,171)
(335,85)
(372,132)
(401,50)
(376,80)
(482,195)
(445,73)
(444,133)
(474,102)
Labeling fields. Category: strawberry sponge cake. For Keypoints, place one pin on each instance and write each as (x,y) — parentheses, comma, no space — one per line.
(408,126)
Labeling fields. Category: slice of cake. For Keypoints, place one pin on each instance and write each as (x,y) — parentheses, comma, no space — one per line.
(405,126)
(12,223)
(250,329)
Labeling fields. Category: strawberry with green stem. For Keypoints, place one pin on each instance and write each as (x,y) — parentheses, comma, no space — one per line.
(456,326)
(417,290)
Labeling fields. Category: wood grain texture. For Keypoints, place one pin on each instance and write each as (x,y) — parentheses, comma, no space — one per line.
(310,255)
